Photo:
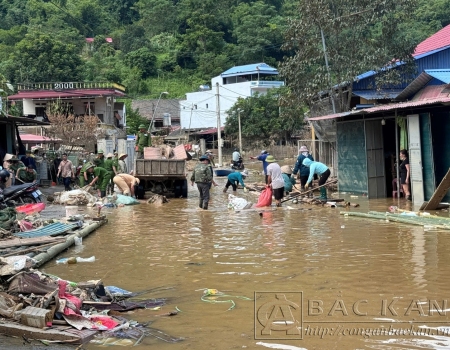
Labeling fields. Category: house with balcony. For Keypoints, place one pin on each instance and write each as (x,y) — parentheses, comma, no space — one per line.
(200,111)
(79,98)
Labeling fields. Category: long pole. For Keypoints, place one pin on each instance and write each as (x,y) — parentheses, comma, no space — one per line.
(328,70)
(240,134)
(150,127)
(397,160)
(219,131)
(190,119)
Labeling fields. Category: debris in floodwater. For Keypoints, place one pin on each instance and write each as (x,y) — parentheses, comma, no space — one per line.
(212,296)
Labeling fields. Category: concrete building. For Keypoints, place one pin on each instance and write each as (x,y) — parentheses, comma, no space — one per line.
(199,110)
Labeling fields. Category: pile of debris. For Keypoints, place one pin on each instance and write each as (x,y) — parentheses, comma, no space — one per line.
(165,152)
(45,307)
(74,197)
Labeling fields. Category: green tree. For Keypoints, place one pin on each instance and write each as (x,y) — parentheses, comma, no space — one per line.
(40,58)
(144,60)
(261,120)
(134,119)
(258,30)
(158,16)
(360,35)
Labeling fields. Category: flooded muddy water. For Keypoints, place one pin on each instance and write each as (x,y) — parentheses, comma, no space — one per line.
(337,273)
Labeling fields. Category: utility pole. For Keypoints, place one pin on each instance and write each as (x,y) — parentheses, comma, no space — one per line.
(219,132)
(240,133)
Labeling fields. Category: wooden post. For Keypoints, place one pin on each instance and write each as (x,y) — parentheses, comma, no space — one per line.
(440,193)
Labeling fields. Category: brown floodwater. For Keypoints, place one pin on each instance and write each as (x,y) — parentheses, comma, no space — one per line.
(339,274)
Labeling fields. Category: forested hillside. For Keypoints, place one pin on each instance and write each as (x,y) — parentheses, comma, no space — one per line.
(155,45)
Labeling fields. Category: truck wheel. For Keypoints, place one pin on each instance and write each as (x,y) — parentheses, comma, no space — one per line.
(180,189)
(184,189)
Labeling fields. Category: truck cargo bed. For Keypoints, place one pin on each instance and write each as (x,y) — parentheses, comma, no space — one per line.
(160,167)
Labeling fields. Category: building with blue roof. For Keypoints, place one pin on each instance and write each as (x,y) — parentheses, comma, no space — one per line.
(413,115)
(198,110)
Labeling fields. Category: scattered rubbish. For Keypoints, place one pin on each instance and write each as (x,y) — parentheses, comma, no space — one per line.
(295,201)
(157,199)
(42,306)
(74,197)
(30,209)
(71,210)
(354,196)
(212,295)
(78,241)
(343,226)
(73,260)
(13,264)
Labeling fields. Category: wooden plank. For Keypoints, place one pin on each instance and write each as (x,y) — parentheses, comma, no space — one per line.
(440,193)
(18,330)
(17,242)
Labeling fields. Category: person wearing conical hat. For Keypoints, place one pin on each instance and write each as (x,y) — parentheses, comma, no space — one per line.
(143,139)
(122,165)
(289,179)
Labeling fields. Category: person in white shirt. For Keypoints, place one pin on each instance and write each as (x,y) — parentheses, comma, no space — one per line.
(275,179)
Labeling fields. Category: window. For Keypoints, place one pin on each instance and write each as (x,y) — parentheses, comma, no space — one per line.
(206,105)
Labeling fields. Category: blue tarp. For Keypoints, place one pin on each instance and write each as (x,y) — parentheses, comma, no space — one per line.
(49,230)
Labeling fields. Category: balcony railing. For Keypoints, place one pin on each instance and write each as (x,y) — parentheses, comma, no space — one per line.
(264,83)
(69,86)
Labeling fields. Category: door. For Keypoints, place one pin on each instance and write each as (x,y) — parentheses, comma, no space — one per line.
(429,184)
(415,159)
(375,159)
(351,157)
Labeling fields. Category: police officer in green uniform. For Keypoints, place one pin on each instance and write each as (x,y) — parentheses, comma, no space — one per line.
(85,177)
(14,164)
(143,139)
(101,176)
(100,160)
(27,174)
(108,166)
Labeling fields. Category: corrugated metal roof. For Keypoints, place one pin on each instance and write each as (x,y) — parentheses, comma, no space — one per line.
(254,68)
(49,230)
(75,93)
(428,96)
(440,74)
(333,116)
(417,84)
(438,40)
(378,94)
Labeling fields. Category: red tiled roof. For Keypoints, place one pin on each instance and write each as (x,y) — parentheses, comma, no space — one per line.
(436,41)
(75,93)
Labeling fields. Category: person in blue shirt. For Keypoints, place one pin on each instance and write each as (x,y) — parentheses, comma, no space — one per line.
(299,167)
(234,179)
(322,171)
(262,157)
(289,180)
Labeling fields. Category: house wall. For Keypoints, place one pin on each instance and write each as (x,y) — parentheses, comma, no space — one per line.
(203,103)
(79,107)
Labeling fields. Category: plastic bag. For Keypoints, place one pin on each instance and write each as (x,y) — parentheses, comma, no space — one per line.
(126,200)
(265,198)
(237,203)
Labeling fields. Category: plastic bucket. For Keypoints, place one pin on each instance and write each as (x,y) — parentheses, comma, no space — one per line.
(71,210)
